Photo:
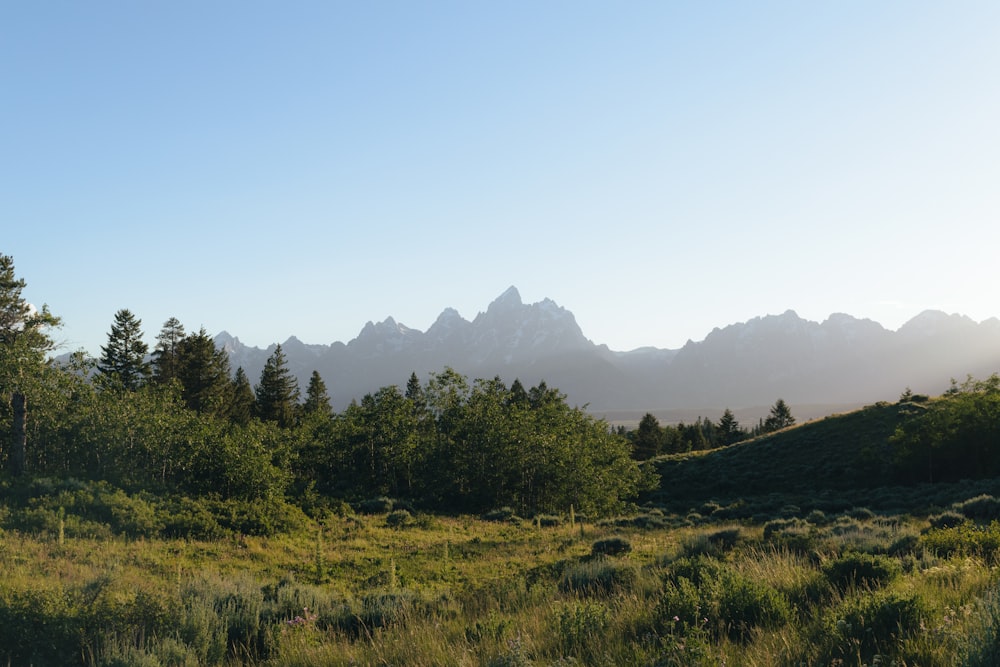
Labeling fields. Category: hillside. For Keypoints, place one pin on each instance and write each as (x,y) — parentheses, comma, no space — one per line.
(831,464)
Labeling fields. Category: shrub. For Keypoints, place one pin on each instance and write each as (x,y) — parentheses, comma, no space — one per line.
(548,520)
(873,623)
(578,625)
(599,577)
(980,508)
(861,569)
(185,517)
(745,604)
(380,505)
(611,546)
(947,520)
(398,519)
(816,517)
(500,514)
(861,514)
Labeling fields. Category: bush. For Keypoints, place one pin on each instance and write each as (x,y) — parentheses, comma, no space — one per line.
(861,569)
(612,546)
(501,514)
(380,505)
(548,520)
(398,519)
(980,508)
(600,577)
(947,520)
(746,604)
(874,623)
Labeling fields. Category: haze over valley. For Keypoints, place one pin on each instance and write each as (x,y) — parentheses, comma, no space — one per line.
(819,367)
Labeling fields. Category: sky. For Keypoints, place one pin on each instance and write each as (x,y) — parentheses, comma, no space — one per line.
(657,168)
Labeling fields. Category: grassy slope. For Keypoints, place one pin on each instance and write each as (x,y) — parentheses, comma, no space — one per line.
(831,464)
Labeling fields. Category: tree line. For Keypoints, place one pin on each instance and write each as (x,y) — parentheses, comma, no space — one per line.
(179,419)
(650,439)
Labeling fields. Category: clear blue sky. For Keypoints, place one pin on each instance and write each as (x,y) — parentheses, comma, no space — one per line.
(658,168)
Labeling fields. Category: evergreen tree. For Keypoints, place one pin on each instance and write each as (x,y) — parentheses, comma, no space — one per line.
(317,399)
(203,371)
(123,360)
(648,439)
(24,340)
(780,417)
(165,354)
(242,401)
(278,391)
(729,430)
(518,394)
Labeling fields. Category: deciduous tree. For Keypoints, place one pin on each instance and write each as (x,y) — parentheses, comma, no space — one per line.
(24,341)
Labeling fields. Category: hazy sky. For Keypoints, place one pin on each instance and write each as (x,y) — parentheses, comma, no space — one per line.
(658,168)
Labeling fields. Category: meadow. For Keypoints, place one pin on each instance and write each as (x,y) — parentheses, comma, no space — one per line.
(397,587)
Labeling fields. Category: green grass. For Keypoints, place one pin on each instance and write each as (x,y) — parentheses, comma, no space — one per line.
(465,591)
(799,548)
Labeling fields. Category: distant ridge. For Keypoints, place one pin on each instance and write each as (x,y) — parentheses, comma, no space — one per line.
(843,360)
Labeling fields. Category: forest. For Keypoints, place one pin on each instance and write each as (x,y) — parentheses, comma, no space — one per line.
(156,508)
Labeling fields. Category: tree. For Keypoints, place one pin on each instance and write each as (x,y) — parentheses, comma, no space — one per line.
(278,391)
(242,401)
(648,439)
(203,371)
(729,430)
(123,359)
(24,340)
(317,399)
(780,417)
(165,354)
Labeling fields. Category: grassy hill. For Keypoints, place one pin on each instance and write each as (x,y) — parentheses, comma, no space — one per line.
(831,464)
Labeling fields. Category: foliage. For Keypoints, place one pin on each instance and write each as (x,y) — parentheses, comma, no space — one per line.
(278,391)
(123,360)
(611,546)
(953,437)
(861,569)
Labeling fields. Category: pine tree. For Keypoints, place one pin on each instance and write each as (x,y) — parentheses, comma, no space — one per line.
(123,360)
(317,399)
(648,439)
(242,401)
(203,371)
(729,429)
(278,391)
(780,417)
(24,340)
(165,354)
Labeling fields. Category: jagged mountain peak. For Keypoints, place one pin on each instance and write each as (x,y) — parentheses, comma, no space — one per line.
(510,299)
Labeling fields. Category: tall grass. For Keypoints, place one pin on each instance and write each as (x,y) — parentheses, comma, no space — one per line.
(507,594)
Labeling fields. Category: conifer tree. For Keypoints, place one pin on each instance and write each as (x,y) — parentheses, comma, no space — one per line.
(123,359)
(317,399)
(165,362)
(729,429)
(649,438)
(242,403)
(780,417)
(24,340)
(278,391)
(203,371)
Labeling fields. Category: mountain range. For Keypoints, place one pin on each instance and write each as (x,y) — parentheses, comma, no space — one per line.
(843,361)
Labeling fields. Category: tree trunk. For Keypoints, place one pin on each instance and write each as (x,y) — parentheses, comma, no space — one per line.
(17,458)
